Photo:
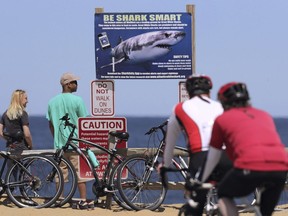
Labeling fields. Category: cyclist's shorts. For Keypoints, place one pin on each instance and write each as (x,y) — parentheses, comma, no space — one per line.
(239,182)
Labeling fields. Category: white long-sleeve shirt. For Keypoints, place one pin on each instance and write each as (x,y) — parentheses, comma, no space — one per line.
(195,117)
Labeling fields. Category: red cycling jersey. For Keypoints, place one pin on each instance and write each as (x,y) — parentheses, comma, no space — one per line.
(251,139)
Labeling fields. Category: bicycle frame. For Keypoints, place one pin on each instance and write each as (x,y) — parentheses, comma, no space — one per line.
(29,180)
(182,165)
(82,153)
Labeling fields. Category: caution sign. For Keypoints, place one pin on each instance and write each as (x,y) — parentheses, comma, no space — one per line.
(96,130)
(183,94)
(102,97)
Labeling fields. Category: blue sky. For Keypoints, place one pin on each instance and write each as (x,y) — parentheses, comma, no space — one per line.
(236,40)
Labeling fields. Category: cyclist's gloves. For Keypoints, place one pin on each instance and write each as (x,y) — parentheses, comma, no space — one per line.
(192,184)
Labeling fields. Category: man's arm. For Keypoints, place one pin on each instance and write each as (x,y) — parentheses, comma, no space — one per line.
(51,127)
(1,130)
(212,160)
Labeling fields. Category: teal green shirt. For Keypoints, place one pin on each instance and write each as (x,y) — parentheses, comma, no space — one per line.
(58,106)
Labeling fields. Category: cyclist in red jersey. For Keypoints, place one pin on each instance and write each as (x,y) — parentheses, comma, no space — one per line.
(253,145)
(195,118)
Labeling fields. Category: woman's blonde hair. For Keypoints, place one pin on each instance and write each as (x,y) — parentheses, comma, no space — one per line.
(16,107)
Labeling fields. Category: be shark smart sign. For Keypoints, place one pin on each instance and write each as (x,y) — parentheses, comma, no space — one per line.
(143,45)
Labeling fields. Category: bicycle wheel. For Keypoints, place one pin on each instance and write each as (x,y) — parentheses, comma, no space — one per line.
(141,189)
(116,194)
(70,180)
(283,200)
(33,184)
(211,207)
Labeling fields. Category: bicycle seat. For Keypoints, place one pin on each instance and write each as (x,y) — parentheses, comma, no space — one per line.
(120,135)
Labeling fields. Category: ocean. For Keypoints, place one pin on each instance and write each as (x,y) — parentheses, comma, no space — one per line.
(137,127)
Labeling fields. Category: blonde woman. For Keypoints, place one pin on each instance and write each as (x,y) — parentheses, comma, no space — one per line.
(14,123)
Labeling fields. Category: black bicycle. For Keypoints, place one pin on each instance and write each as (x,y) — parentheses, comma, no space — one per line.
(101,187)
(142,188)
(30,180)
(246,204)
(192,187)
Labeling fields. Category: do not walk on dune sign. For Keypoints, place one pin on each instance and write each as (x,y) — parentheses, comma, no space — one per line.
(102,97)
(182,93)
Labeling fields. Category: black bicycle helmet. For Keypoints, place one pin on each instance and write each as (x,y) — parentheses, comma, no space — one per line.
(198,84)
(233,93)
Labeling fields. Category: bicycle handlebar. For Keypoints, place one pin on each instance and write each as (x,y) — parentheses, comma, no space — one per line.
(66,119)
(154,129)
(191,183)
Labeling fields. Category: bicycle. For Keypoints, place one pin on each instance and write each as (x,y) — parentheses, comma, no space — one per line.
(192,187)
(254,205)
(211,208)
(30,180)
(142,188)
(101,187)
(70,180)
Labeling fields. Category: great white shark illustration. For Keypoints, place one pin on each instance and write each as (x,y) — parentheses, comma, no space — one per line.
(145,47)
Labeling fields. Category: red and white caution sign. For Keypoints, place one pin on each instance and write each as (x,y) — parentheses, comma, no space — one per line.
(102,97)
(96,130)
(183,94)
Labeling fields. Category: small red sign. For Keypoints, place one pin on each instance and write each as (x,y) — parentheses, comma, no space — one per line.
(183,94)
(96,130)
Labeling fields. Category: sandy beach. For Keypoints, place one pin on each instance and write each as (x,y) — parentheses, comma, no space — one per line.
(167,210)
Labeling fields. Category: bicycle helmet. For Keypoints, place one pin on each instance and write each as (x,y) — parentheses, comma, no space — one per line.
(198,84)
(233,94)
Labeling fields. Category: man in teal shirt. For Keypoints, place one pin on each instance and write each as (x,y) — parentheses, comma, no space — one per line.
(58,106)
